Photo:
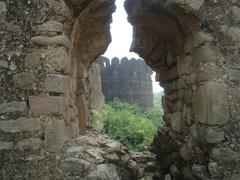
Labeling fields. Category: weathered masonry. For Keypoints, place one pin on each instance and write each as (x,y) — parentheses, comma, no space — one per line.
(128,80)
(46,49)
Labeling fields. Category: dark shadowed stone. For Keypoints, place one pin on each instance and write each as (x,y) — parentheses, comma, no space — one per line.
(235,177)
(208,107)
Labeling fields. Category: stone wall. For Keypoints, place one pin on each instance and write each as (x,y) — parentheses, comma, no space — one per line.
(128,80)
(46,51)
(194,48)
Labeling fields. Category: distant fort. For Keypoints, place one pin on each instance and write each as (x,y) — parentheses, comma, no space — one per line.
(128,80)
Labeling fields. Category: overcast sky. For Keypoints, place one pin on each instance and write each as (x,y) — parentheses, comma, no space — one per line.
(121,32)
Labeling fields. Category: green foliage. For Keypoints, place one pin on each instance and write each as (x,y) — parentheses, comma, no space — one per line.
(127,124)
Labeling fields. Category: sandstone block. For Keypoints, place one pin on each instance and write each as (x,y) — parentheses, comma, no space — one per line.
(210,104)
(181,84)
(203,54)
(210,135)
(5,145)
(31,143)
(48,104)
(55,136)
(57,83)
(56,60)
(33,60)
(184,65)
(201,38)
(234,33)
(60,40)
(20,125)
(176,121)
(13,106)
(24,80)
(50,26)
(82,111)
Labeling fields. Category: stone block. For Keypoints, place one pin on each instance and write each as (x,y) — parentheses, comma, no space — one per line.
(31,143)
(3,64)
(234,33)
(55,136)
(201,38)
(235,177)
(5,145)
(49,27)
(33,60)
(20,125)
(188,96)
(191,79)
(24,80)
(235,15)
(176,121)
(210,135)
(3,10)
(234,75)
(210,104)
(60,40)
(184,65)
(224,154)
(13,106)
(75,166)
(204,54)
(82,111)
(209,72)
(181,84)
(48,104)
(57,83)
(236,98)
(56,60)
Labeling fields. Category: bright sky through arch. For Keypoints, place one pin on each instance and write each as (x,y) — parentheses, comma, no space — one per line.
(121,32)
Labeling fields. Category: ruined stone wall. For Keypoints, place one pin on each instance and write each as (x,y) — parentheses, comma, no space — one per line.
(46,50)
(194,48)
(128,80)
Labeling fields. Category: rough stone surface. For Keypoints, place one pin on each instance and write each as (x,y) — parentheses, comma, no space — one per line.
(208,108)
(14,106)
(31,143)
(5,145)
(234,33)
(204,54)
(48,104)
(21,124)
(24,80)
(55,136)
(57,83)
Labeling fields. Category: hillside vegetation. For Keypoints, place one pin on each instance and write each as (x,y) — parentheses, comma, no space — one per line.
(135,129)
